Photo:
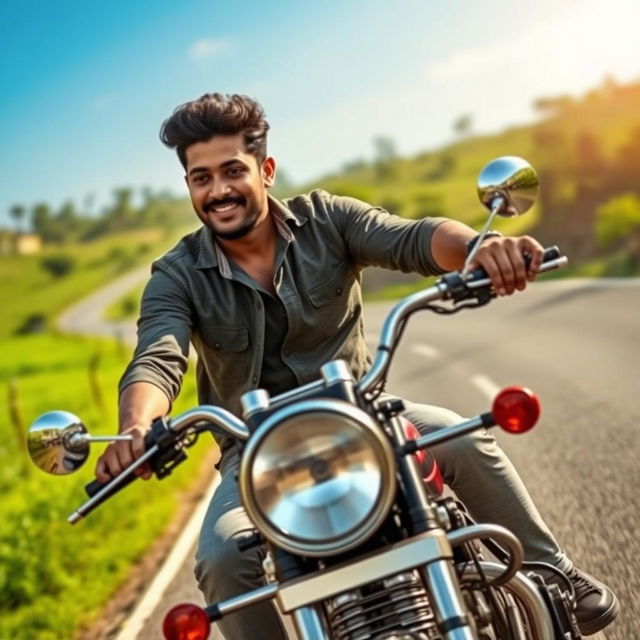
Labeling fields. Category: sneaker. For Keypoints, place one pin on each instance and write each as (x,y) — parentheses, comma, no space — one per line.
(596,605)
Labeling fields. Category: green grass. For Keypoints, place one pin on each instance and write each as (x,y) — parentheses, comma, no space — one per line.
(29,290)
(54,578)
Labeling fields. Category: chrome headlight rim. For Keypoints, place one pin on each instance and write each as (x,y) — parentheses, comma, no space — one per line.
(374,434)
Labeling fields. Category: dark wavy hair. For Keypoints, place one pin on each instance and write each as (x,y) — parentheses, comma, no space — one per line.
(216,114)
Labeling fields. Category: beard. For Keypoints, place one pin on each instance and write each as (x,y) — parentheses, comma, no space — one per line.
(234,234)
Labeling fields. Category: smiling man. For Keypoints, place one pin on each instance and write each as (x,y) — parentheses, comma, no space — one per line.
(267,292)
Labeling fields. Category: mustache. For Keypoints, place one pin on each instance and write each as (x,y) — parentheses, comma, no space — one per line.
(210,204)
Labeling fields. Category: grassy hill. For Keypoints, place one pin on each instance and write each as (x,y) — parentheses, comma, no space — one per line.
(586,151)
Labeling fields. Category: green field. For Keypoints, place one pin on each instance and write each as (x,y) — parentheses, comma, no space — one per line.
(54,577)
(30,291)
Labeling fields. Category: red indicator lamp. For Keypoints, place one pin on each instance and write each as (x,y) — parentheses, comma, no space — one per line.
(186,622)
(516,409)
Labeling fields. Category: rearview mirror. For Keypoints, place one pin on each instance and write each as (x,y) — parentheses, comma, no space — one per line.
(508,185)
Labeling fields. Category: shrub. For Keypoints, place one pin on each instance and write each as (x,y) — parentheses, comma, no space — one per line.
(33,323)
(59,265)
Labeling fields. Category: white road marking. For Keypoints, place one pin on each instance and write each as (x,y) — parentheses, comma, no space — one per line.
(169,569)
(486,385)
(425,350)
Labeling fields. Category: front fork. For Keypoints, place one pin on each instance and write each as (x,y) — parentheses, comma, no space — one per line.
(453,618)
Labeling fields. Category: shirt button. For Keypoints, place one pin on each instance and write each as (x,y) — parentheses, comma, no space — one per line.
(217,345)
(254,379)
(339,291)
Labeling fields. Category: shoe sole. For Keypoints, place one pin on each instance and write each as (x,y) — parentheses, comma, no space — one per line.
(605,619)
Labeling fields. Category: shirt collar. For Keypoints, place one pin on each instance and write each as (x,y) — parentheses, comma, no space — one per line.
(210,255)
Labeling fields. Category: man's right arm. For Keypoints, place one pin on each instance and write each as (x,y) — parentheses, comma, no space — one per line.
(140,404)
(152,379)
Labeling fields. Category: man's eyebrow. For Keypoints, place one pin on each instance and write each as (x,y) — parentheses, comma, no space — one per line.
(225,164)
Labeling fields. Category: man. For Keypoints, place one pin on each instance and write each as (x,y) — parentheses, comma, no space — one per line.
(267,292)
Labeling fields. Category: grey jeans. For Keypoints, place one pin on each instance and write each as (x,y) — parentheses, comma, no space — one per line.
(474,466)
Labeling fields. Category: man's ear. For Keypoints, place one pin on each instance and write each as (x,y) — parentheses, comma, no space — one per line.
(269,172)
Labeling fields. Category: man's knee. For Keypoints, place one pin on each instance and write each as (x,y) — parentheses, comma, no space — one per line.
(223,571)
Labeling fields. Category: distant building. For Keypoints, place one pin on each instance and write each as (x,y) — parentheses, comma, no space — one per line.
(22,244)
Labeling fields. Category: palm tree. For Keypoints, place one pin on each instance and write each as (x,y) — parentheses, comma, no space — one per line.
(17,212)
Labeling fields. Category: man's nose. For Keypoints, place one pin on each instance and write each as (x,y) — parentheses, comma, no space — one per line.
(219,189)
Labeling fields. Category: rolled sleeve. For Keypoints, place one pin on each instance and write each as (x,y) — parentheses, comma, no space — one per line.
(164,332)
(378,238)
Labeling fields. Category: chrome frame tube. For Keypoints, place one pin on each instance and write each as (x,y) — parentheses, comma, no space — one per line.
(478,531)
(526,592)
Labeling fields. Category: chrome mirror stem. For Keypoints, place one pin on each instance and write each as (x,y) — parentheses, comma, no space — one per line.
(79,439)
(497,205)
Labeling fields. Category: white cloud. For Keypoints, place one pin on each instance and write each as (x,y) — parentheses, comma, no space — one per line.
(207,48)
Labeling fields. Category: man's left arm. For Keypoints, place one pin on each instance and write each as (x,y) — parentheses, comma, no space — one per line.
(501,257)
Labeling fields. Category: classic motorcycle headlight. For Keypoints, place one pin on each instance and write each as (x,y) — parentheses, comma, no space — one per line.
(318,477)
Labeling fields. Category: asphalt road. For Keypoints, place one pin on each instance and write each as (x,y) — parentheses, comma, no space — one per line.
(577,345)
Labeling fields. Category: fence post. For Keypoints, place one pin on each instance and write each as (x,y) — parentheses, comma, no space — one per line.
(94,383)
(15,416)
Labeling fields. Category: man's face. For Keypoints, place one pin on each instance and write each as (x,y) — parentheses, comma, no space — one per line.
(228,187)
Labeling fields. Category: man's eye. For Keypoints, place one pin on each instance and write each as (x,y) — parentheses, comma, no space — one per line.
(235,171)
(200,179)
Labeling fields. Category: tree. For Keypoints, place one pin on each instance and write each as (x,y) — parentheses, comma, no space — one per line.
(41,220)
(122,214)
(385,156)
(17,212)
(462,125)
(619,219)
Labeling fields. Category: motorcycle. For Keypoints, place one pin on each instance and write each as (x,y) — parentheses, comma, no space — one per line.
(362,543)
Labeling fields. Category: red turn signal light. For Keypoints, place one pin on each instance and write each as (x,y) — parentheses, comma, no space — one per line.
(516,409)
(186,622)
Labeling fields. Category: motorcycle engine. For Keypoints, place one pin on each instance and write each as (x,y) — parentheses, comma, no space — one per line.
(396,608)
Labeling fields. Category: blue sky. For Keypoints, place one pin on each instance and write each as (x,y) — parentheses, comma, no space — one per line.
(85,86)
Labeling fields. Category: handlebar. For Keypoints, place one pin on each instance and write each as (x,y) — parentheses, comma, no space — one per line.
(164,434)
(162,451)
(451,286)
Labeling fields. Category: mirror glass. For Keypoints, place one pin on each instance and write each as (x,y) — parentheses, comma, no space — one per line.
(511,178)
(52,445)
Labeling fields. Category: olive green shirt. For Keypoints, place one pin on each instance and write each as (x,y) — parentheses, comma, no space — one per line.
(196,295)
